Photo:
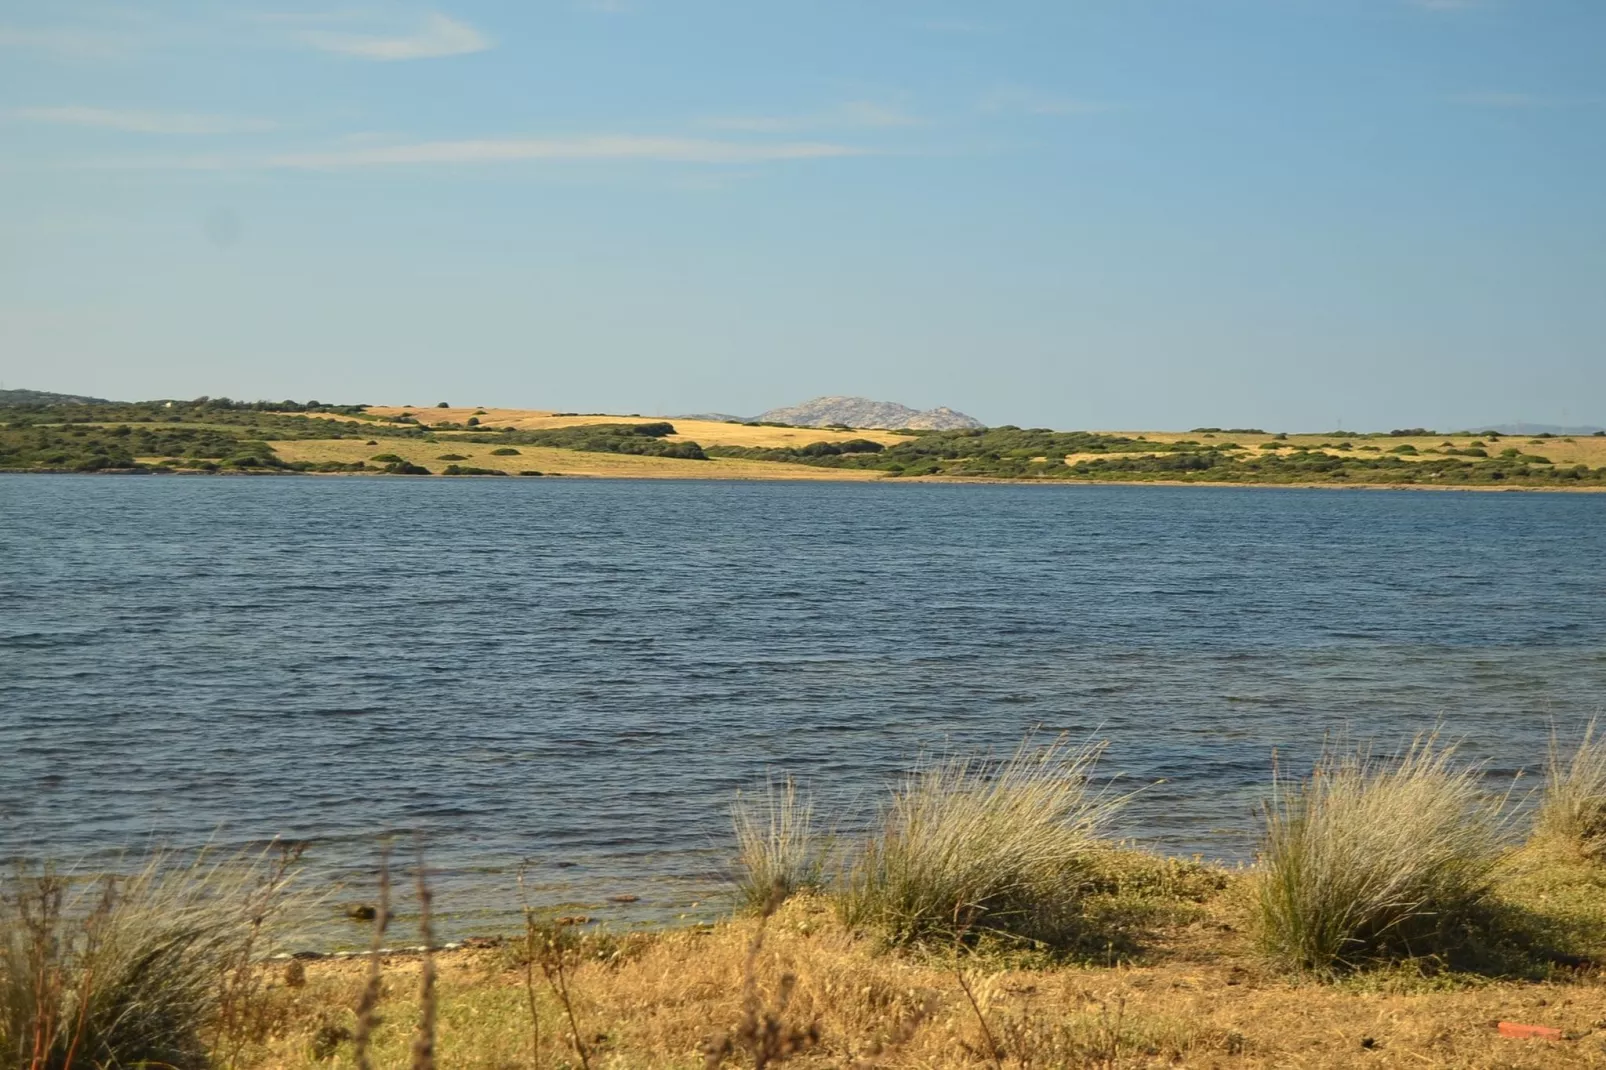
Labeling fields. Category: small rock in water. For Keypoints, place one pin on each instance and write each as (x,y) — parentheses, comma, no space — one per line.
(361,912)
(627,898)
(575,919)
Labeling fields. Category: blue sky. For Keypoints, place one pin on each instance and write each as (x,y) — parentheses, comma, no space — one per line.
(1084,213)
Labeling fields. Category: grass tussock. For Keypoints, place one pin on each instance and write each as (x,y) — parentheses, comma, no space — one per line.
(777,844)
(1370,859)
(1573,810)
(968,846)
(156,968)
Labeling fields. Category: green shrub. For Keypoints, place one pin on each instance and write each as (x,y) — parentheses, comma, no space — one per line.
(778,851)
(406,468)
(1573,810)
(451,457)
(970,846)
(469,470)
(387,458)
(505,451)
(1368,859)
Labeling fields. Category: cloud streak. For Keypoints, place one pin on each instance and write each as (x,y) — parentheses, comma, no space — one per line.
(440,35)
(66,41)
(143,122)
(856,114)
(619,147)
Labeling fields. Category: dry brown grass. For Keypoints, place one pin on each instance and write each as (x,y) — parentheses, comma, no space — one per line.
(1199,996)
(555,461)
(706,432)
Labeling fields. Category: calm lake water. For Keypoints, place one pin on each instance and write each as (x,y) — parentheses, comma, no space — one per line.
(578,674)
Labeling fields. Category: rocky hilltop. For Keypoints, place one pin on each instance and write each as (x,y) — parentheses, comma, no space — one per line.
(46,397)
(862,412)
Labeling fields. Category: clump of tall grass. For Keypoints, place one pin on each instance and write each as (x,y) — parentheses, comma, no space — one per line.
(970,846)
(1369,858)
(1573,810)
(778,848)
(154,968)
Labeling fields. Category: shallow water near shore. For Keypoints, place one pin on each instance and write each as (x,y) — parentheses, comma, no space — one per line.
(579,674)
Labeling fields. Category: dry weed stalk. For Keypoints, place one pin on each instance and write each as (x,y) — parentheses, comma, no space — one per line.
(530,931)
(763,1033)
(368,1004)
(424,1041)
(549,947)
(240,1006)
(993,1053)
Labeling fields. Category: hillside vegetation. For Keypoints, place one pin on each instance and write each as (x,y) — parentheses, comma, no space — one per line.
(1209,457)
(215,434)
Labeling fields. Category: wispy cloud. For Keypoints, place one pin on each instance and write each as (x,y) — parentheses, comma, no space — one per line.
(438,35)
(70,41)
(857,114)
(618,148)
(1036,102)
(143,122)
(622,147)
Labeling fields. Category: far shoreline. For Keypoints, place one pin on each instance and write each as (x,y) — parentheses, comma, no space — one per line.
(1485,488)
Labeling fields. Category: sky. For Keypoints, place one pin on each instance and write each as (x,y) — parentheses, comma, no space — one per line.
(1291,214)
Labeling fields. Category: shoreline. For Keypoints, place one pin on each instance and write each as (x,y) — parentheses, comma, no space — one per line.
(1485,488)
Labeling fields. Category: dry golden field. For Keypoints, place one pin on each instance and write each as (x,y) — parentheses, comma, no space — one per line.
(550,461)
(1563,451)
(1568,450)
(1195,994)
(706,432)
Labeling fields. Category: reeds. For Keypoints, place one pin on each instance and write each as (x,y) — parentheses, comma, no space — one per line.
(969,846)
(777,845)
(1368,859)
(1573,809)
(150,968)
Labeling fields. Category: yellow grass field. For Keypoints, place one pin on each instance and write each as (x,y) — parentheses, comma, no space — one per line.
(1563,451)
(1197,995)
(705,432)
(1568,450)
(551,461)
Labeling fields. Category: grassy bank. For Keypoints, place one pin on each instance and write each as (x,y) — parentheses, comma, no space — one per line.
(1398,914)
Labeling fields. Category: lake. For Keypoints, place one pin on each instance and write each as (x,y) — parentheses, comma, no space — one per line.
(577,675)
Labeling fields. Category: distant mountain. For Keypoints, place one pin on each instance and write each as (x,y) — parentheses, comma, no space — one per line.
(45,397)
(1520,428)
(716,417)
(862,412)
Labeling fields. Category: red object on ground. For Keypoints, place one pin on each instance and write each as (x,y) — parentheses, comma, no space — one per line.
(1529,1032)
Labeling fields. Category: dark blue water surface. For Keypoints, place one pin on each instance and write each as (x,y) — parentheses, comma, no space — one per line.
(580,673)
